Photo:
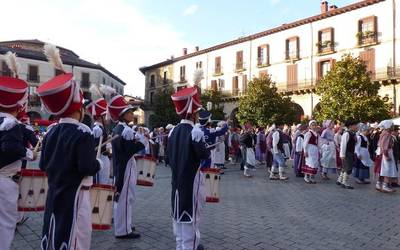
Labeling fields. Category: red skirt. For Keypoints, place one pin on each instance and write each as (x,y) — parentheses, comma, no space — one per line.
(339,163)
(377,166)
(309,170)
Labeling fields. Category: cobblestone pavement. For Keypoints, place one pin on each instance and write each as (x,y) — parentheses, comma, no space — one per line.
(258,214)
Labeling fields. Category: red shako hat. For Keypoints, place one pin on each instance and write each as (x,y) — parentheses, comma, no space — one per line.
(186,101)
(98,107)
(117,106)
(61,96)
(13,91)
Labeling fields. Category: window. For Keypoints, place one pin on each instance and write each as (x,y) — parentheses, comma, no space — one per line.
(239,61)
(368,56)
(292,48)
(263,55)
(33,98)
(291,76)
(5,71)
(214,85)
(165,80)
(182,74)
(33,75)
(199,65)
(58,72)
(221,84)
(85,82)
(151,97)
(244,83)
(218,69)
(235,85)
(367,30)
(104,81)
(152,81)
(323,67)
(326,40)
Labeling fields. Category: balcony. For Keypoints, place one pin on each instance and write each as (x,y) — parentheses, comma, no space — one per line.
(218,71)
(303,87)
(386,76)
(292,56)
(367,38)
(239,67)
(262,62)
(33,78)
(325,47)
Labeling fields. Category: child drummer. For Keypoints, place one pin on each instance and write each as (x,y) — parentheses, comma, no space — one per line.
(69,159)
(13,93)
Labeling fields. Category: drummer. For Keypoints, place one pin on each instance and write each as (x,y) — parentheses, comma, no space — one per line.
(98,109)
(186,148)
(124,166)
(69,159)
(13,93)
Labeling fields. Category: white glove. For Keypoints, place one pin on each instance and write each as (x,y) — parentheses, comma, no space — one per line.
(97,132)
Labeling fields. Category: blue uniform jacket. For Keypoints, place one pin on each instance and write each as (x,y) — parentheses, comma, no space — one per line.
(210,138)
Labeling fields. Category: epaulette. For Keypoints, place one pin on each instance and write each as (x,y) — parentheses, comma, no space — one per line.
(8,123)
(197,134)
(97,131)
(84,128)
(128,133)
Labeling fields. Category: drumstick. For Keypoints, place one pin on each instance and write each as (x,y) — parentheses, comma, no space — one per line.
(108,141)
(99,148)
(38,145)
(212,145)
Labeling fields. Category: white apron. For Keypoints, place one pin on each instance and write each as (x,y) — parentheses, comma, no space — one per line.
(388,168)
(312,160)
(328,155)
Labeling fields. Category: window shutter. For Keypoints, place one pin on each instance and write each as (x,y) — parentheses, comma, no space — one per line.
(318,67)
(244,83)
(297,47)
(214,86)
(267,53)
(259,59)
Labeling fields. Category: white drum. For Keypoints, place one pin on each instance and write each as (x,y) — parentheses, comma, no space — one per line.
(32,190)
(101,200)
(146,169)
(212,179)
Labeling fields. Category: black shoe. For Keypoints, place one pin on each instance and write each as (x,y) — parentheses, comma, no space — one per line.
(338,183)
(224,167)
(133,228)
(347,187)
(200,247)
(129,236)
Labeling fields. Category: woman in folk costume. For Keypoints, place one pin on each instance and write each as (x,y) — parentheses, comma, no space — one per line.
(186,149)
(298,161)
(364,161)
(311,153)
(278,151)
(337,139)
(13,94)
(219,151)
(388,166)
(98,109)
(328,150)
(69,159)
(347,153)
(261,145)
(124,147)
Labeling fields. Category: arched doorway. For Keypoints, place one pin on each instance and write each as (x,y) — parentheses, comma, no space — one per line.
(299,112)
(316,109)
(233,118)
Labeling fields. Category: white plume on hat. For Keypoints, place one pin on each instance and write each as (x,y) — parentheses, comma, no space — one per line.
(11,61)
(107,91)
(198,75)
(95,91)
(53,56)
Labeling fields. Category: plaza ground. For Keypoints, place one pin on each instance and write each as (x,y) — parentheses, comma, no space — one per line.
(255,213)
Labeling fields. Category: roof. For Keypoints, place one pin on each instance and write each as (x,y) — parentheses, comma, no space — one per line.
(329,13)
(36,53)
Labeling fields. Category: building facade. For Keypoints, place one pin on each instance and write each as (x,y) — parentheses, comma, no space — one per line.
(138,114)
(296,55)
(35,69)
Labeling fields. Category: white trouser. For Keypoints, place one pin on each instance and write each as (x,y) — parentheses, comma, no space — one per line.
(188,234)
(104,173)
(8,211)
(82,228)
(123,208)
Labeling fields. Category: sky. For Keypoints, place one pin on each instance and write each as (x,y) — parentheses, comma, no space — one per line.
(124,35)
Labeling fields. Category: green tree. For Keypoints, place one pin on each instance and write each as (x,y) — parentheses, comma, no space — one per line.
(216,98)
(163,108)
(263,104)
(347,92)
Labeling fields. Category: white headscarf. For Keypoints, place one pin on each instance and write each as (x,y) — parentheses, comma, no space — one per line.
(386,124)
(311,122)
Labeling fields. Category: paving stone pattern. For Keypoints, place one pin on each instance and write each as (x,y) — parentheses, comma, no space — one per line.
(255,213)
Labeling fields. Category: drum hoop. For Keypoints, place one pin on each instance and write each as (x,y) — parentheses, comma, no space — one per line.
(32,172)
(145,157)
(103,186)
(210,170)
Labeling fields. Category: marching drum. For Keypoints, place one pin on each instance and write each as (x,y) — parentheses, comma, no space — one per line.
(212,178)
(32,190)
(101,200)
(146,166)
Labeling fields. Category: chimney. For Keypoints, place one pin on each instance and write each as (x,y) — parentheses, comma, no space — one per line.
(196,48)
(332,7)
(184,51)
(324,6)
